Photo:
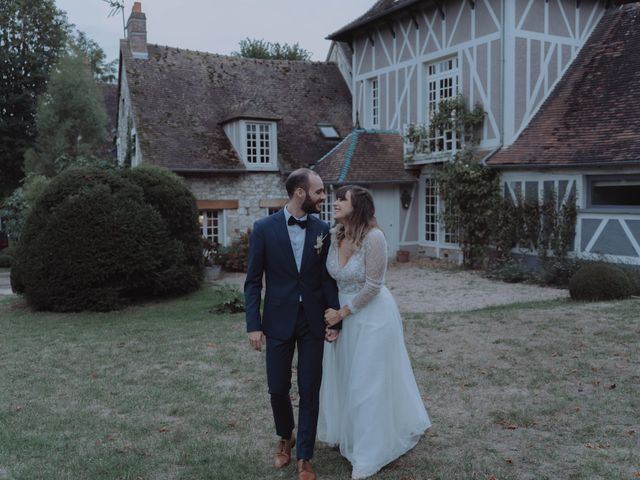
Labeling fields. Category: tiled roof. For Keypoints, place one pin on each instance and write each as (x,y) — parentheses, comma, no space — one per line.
(380,9)
(593,115)
(181,98)
(365,156)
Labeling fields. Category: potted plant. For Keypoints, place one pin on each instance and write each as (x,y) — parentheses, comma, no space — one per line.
(211,257)
(402,256)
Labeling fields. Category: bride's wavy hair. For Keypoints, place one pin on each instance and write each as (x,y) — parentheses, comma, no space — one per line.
(361,220)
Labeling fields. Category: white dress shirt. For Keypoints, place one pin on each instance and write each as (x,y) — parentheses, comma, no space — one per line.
(297,236)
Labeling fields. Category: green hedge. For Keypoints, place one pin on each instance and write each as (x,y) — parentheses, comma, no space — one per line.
(599,282)
(93,241)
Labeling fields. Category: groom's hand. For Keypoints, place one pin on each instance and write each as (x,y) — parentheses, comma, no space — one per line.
(331,334)
(256,339)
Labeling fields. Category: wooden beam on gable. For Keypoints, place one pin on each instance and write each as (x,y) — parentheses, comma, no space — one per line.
(370,36)
(440,8)
(414,17)
(391,29)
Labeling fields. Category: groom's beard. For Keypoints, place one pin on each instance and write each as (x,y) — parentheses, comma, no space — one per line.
(309,206)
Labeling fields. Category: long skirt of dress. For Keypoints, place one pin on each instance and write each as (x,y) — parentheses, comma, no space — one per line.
(369,401)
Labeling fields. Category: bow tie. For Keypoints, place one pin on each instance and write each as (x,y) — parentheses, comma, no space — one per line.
(294,221)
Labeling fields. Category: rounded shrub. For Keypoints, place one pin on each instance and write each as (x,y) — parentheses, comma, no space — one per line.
(599,282)
(93,242)
(5,260)
(175,203)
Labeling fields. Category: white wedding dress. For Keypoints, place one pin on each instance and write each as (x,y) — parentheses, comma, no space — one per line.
(369,401)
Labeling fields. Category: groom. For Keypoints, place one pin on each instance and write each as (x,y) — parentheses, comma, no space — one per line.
(290,249)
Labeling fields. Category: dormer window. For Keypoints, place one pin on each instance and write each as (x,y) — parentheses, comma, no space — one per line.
(256,142)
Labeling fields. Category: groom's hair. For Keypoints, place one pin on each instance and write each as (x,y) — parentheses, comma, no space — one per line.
(298,179)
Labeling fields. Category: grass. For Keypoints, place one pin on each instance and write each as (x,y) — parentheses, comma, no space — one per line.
(171,390)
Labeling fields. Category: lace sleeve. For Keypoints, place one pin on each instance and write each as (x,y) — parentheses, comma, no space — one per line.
(375,267)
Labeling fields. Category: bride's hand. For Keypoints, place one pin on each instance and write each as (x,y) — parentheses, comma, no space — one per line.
(331,335)
(331,317)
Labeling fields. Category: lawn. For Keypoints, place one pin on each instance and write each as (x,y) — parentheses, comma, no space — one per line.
(171,390)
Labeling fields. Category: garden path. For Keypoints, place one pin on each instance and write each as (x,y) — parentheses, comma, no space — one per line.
(421,287)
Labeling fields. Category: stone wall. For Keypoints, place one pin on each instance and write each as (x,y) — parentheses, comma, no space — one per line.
(249,189)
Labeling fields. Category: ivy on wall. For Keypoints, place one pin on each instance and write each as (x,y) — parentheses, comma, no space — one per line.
(477,210)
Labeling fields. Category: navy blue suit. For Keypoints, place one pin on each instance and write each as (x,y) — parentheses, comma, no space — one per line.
(288,322)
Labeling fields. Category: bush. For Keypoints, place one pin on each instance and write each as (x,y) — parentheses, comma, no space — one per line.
(235,258)
(170,196)
(93,242)
(5,260)
(633,272)
(511,271)
(558,271)
(599,282)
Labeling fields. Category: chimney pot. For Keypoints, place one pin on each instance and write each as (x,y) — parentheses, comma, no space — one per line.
(137,7)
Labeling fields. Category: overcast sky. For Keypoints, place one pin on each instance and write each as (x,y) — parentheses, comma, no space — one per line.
(217,26)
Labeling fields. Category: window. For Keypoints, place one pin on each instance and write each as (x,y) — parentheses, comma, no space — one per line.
(622,191)
(328,131)
(374,103)
(431,210)
(442,83)
(326,212)
(435,231)
(210,224)
(258,143)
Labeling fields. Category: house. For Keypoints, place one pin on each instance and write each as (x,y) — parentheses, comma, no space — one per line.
(557,80)
(233,127)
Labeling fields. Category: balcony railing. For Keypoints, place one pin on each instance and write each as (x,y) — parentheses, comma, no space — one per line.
(423,144)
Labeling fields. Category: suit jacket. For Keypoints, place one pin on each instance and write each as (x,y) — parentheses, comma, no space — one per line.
(271,254)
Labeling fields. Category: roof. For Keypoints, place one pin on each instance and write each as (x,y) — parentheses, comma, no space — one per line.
(381,9)
(592,117)
(365,156)
(181,99)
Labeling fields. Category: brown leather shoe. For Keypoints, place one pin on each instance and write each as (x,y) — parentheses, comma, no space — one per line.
(283,455)
(305,470)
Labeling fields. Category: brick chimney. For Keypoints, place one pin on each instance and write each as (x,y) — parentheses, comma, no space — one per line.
(137,32)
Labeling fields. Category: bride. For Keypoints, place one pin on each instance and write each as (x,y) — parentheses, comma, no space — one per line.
(369,401)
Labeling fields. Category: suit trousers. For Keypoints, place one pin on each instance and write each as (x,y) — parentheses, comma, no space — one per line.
(279,363)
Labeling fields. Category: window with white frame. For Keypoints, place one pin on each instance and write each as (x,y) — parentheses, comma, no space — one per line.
(258,143)
(435,230)
(431,209)
(326,209)
(442,83)
(374,102)
(211,225)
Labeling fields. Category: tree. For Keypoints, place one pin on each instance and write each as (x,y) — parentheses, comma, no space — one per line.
(103,71)
(254,48)
(32,35)
(71,120)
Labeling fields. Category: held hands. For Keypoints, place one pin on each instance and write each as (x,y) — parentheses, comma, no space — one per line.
(333,316)
(331,335)
(256,339)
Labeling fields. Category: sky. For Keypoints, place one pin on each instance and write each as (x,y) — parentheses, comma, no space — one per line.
(217,26)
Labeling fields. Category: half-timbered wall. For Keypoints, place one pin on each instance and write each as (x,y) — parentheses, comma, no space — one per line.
(611,234)
(540,40)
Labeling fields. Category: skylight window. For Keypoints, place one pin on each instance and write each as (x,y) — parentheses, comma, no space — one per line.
(328,131)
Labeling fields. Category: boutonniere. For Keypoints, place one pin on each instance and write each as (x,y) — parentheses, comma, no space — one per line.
(319,243)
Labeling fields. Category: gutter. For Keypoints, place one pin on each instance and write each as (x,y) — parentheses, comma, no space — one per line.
(515,166)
